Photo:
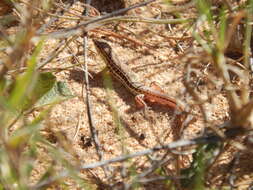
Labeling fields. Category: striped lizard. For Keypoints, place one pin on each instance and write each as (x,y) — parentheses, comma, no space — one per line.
(129,79)
(142,93)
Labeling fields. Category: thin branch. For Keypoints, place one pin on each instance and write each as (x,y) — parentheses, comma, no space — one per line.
(52,20)
(175,144)
(93,23)
(93,130)
(172,145)
(60,47)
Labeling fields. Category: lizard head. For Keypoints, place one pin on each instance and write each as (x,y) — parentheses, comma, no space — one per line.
(102,47)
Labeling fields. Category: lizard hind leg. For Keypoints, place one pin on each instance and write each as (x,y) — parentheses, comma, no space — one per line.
(139,101)
(141,104)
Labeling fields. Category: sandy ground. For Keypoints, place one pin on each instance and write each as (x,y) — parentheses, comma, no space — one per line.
(154,59)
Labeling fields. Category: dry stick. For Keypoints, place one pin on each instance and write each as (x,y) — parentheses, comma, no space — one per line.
(77,15)
(52,20)
(140,177)
(220,65)
(93,130)
(119,36)
(47,12)
(172,145)
(61,46)
(146,20)
(89,106)
(84,26)
(197,98)
(113,14)
(88,27)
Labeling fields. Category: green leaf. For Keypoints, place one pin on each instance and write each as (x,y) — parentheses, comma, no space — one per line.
(46,91)
(25,82)
(59,92)
(44,84)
